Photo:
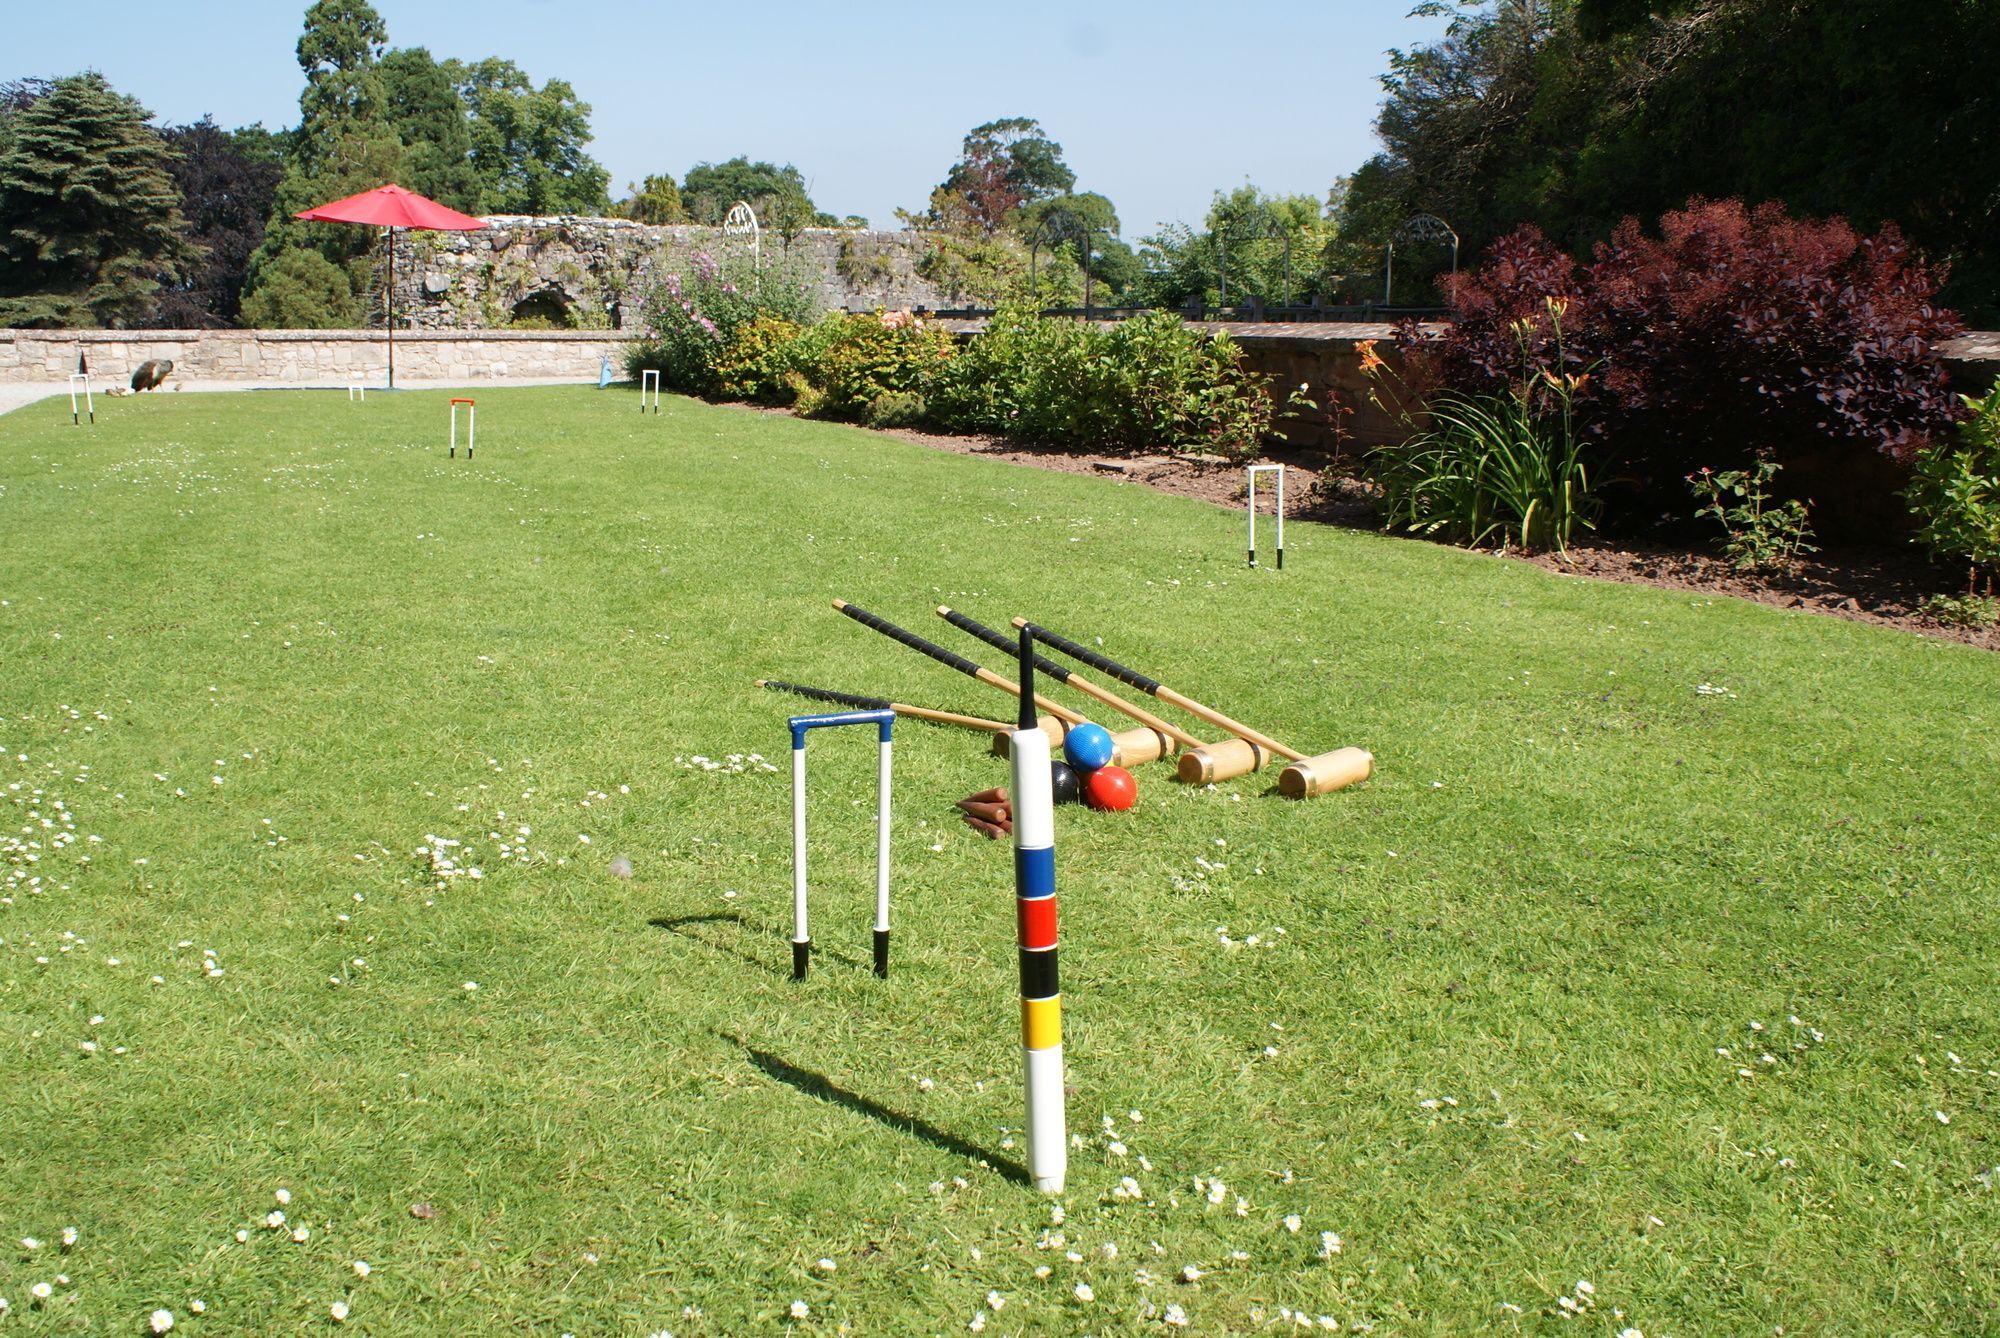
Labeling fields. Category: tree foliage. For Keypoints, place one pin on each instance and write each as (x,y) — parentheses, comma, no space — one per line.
(344,93)
(226,194)
(528,143)
(1572,114)
(90,222)
(1734,332)
(344,144)
(656,201)
(709,189)
(1074,230)
(1274,249)
(1002,166)
(300,289)
(430,119)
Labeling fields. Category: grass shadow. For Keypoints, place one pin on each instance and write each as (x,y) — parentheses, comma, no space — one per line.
(684,925)
(820,1087)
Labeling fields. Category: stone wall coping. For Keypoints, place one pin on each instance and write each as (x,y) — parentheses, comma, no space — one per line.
(1973,346)
(319,336)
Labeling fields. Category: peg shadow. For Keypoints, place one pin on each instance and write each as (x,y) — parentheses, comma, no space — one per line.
(687,926)
(822,1088)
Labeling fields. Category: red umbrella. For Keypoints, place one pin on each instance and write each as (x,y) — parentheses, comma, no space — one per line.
(393,207)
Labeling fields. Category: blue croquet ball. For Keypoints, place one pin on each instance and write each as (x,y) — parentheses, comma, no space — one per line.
(1064,785)
(1088,747)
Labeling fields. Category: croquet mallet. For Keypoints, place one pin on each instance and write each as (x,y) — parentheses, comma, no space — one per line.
(1304,778)
(1129,748)
(1064,717)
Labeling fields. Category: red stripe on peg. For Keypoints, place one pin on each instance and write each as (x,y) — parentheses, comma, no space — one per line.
(1038,922)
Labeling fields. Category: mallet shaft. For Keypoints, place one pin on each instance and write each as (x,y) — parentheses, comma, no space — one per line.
(1000,641)
(950,660)
(861,702)
(1152,688)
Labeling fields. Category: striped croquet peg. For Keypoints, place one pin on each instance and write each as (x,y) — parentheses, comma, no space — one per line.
(884,721)
(1035,893)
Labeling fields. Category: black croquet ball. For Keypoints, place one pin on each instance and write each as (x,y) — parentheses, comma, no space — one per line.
(1063,783)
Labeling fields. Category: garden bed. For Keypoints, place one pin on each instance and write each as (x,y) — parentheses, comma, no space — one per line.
(1872,585)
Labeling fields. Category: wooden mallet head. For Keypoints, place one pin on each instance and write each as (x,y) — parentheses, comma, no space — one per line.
(1050,725)
(1326,773)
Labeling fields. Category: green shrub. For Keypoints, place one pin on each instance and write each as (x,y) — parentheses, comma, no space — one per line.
(1036,378)
(757,364)
(1955,494)
(1759,534)
(1150,381)
(691,318)
(1963,610)
(1188,389)
(303,290)
(896,408)
(855,360)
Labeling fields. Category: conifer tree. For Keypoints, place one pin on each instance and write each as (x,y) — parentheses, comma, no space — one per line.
(90,222)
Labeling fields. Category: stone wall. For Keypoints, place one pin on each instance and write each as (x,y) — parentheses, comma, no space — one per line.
(310,357)
(588,273)
(1322,357)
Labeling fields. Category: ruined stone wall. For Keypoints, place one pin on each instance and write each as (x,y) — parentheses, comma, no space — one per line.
(586,273)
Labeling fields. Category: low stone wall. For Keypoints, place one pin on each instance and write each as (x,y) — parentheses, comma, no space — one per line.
(310,357)
(1323,358)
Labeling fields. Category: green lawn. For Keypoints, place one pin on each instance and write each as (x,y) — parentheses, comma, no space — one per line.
(1687,992)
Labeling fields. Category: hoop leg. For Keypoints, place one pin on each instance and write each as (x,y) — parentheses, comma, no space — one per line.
(801,936)
(882,861)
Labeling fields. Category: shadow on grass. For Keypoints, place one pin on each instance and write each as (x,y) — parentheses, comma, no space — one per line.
(819,1086)
(688,927)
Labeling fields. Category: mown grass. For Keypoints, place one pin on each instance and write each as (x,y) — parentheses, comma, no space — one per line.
(262,646)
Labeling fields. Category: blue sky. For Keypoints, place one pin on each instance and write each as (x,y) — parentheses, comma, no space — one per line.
(1156,105)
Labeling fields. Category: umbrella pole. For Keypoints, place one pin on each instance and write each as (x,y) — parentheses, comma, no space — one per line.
(390,299)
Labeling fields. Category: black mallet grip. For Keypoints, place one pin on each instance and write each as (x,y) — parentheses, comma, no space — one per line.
(1001,641)
(1085,655)
(908,638)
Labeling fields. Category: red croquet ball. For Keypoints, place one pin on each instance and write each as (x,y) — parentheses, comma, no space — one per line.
(1110,790)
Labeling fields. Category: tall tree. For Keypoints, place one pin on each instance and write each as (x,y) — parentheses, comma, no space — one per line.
(1003,165)
(1572,114)
(658,201)
(711,188)
(528,143)
(90,222)
(344,144)
(430,119)
(344,94)
(226,196)
(1271,247)
(16,96)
